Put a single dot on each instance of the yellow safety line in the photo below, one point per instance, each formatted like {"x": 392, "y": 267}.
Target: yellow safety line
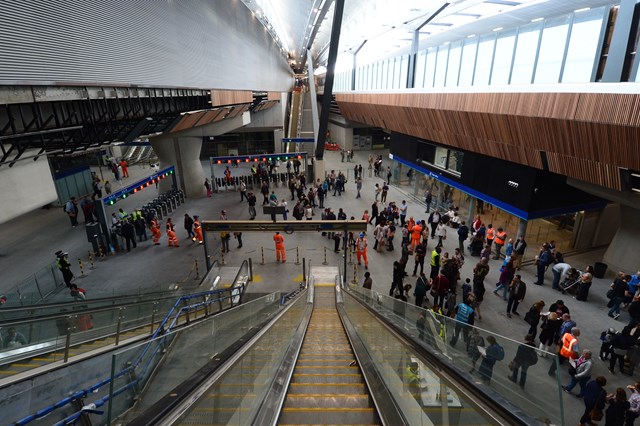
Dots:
{"x": 324, "y": 284}
{"x": 326, "y": 384}
{"x": 326, "y": 366}
{"x": 327, "y": 395}
{"x": 327, "y": 375}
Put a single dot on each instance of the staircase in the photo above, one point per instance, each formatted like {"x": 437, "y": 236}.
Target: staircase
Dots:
{"x": 327, "y": 387}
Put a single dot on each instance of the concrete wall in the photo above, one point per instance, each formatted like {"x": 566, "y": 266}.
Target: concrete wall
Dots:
{"x": 159, "y": 43}
{"x": 343, "y": 136}
{"x": 26, "y": 186}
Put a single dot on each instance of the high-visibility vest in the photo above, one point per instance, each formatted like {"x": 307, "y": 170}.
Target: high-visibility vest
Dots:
{"x": 490, "y": 233}
{"x": 434, "y": 254}
{"x": 501, "y": 238}
{"x": 568, "y": 341}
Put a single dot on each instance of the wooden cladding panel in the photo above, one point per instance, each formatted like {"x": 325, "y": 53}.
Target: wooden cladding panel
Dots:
{"x": 274, "y": 96}
{"x": 231, "y": 97}
{"x": 187, "y": 121}
{"x": 597, "y": 132}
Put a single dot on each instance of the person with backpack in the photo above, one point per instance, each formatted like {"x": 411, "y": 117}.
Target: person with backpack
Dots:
{"x": 525, "y": 357}
{"x": 493, "y": 354}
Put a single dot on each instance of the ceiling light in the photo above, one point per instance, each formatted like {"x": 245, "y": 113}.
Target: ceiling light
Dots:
{"x": 471, "y": 36}
{"x": 497, "y": 29}
{"x": 537, "y": 19}
{"x": 584, "y": 9}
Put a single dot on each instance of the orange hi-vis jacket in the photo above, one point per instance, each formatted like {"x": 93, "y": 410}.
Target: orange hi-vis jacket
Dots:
{"x": 416, "y": 232}
{"x": 490, "y": 233}
{"x": 568, "y": 342}
{"x": 501, "y": 238}
{"x": 279, "y": 239}
{"x": 361, "y": 245}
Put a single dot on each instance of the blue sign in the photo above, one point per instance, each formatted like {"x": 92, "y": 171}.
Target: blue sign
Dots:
{"x": 138, "y": 186}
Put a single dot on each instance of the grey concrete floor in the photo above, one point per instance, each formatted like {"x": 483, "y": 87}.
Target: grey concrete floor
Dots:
{"x": 28, "y": 243}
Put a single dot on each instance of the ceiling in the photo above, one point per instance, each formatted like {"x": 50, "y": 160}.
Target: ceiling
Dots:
{"x": 380, "y": 28}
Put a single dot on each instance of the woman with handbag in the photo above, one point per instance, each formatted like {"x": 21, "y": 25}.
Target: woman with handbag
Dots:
{"x": 594, "y": 401}
{"x": 532, "y": 317}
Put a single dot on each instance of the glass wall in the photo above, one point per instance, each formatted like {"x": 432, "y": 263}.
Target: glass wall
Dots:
{"x": 553, "y": 50}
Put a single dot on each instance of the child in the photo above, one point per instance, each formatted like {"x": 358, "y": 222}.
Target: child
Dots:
{"x": 466, "y": 288}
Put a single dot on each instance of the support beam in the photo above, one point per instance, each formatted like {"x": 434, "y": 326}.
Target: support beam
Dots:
{"x": 614, "y": 66}
{"x": 328, "y": 82}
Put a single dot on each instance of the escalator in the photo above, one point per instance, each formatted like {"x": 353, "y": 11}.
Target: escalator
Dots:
{"x": 326, "y": 380}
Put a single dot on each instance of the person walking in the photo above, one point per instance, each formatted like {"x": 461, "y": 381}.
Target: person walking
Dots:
{"x": 155, "y": 231}
{"x": 441, "y": 233}
{"x": 281, "y": 254}
{"x": 428, "y": 197}
{"x": 549, "y": 334}
{"x": 358, "y": 186}
{"x": 434, "y": 220}
{"x": 251, "y": 200}
{"x": 129, "y": 233}
{"x": 207, "y": 185}
{"x": 188, "y": 226}
{"x": 620, "y": 345}
{"x": 479, "y": 273}
{"x": 506, "y": 276}
{"x": 463, "y": 234}
{"x": 464, "y": 319}
{"x": 525, "y": 357}
{"x": 493, "y": 354}
{"x": 580, "y": 373}
{"x": 420, "y": 291}
{"x": 517, "y": 291}
{"x": 71, "y": 209}
{"x": 594, "y": 397}
{"x": 171, "y": 233}
{"x": 361, "y": 250}
{"x": 63, "y": 264}
{"x": 368, "y": 282}
{"x": 420, "y": 253}
{"x": 532, "y": 317}
{"x": 243, "y": 190}
{"x": 569, "y": 349}
{"x": 619, "y": 288}
{"x": 197, "y": 229}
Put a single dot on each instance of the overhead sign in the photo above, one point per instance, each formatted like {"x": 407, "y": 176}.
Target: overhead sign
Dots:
{"x": 284, "y": 226}
{"x": 138, "y": 186}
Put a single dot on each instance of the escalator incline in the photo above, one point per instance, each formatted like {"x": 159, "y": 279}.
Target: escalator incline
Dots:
{"x": 327, "y": 386}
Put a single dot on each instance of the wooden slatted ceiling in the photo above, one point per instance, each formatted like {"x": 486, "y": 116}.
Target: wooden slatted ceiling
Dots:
{"x": 274, "y": 96}
{"x": 231, "y": 97}
{"x": 599, "y": 131}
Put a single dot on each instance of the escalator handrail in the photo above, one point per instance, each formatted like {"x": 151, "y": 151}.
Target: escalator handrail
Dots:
{"x": 480, "y": 397}
{"x": 89, "y": 390}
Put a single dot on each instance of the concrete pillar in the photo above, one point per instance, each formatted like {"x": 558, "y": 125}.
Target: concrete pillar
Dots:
{"x": 522, "y": 228}
{"x": 183, "y": 153}
{"x": 439, "y": 197}
{"x": 318, "y": 169}
{"x": 622, "y": 254}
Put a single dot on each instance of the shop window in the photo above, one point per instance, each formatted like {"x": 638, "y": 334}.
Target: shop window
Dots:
{"x": 442, "y": 155}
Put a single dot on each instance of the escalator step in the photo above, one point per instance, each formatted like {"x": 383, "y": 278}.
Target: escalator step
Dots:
{"x": 336, "y": 401}
{"x": 334, "y": 416}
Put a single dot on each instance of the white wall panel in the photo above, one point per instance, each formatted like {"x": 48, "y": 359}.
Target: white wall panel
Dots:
{"x": 161, "y": 43}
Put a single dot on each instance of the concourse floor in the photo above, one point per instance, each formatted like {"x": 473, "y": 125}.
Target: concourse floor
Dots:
{"x": 28, "y": 243}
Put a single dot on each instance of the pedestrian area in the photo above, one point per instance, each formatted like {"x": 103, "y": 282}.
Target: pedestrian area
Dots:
{"x": 28, "y": 244}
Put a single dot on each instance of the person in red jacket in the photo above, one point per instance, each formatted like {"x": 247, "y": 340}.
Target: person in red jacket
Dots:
{"x": 280, "y": 252}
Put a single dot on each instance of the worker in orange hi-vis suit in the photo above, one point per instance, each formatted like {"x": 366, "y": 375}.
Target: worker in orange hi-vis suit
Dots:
{"x": 171, "y": 233}
{"x": 197, "y": 229}
{"x": 361, "y": 250}
{"x": 155, "y": 230}
{"x": 416, "y": 233}
{"x": 280, "y": 253}
{"x": 411, "y": 223}
{"x": 124, "y": 165}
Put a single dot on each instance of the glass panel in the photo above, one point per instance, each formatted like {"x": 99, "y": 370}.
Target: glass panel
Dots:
{"x": 468, "y": 62}
{"x": 468, "y": 348}
{"x": 455, "y": 161}
{"x": 454, "y": 64}
{"x": 503, "y": 57}
{"x": 385, "y": 68}
{"x": 390, "y": 74}
{"x": 485, "y": 57}
{"x": 404, "y": 71}
{"x": 420, "y": 65}
{"x": 441, "y": 157}
{"x": 525, "y": 54}
{"x": 136, "y": 367}
{"x": 430, "y": 67}
{"x": 441, "y": 65}
{"x": 583, "y": 46}
{"x": 238, "y": 394}
{"x": 396, "y": 73}
{"x": 554, "y": 39}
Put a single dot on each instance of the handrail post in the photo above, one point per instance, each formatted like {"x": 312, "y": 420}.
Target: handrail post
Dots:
{"x": 67, "y": 340}
{"x": 119, "y": 325}
{"x": 304, "y": 270}
{"x": 153, "y": 316}
{"x": 250, "y": 269}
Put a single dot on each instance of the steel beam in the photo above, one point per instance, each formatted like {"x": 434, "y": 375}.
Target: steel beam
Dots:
{"x": 286, "y": 227}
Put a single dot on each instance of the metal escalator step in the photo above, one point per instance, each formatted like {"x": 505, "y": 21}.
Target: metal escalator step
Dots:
{"x": 329, "y": 402}
{"x": 326, "y": 369}
{"x": 311, "y": 378}
{"x": 328, "y": 387}
{"x": 334, "y": 416}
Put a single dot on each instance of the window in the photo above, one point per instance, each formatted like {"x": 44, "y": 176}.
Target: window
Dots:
{"x": 420, "y": 65}
{"x": 404, "y": 70}
{"x": 442, "y": 154}
{"x": 454, "y": 64}
{"x": 430, "y": 68}
{"x": 583, "y": 46}
{"x": 390, "y": 74}
{"x": 426, "y": 152}
{"x": 526, "y": 48}
{"x": 455, "y": 161}
{"x": 484, "y": 60}
{"x": 468, "y": 62}
{"x": 396, "y": 73}
{"x": 503, "y": 58}
{"x": 441, "y": 65}
{"x": 554, "y": 40}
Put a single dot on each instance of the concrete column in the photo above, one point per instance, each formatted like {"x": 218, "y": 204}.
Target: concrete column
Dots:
{"x": 183, "y": 153}
{"x": 622, "y": 254}
{"x": 522, "y": 228}
{"x": 318, "y": 169}
{"x": 472, "y": 210}
{"x": 439, "y": 197}
{"x": 417, "y": 177}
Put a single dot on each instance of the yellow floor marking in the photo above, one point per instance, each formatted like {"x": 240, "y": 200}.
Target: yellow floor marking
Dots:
{"x": 257, "y": 279}
{"x": 323, "y": 284}
{"x": 298, "y": 278}
{"x": 315, "y": 409}
{"x": 325, "y": 395}
{"x": 325, "y": 375}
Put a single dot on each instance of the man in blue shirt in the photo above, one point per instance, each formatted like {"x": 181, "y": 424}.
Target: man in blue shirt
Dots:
{"x": 464, "y": 318}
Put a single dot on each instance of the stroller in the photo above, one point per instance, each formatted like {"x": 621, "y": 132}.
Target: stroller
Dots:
{"x": 571, "y": 281}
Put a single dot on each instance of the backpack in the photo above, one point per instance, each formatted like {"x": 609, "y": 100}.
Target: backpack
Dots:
{"x": 499, "y": 354}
